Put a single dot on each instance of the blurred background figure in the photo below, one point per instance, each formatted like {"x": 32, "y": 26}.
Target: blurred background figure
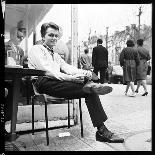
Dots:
{"x": 14, "y": 53}
{"x": 129, "y": 60}
{"x": 142, "y": 68}
{"x": 86, "y": 60}
{"x": 62, "y": 49}
{"x": 109, "y": 71}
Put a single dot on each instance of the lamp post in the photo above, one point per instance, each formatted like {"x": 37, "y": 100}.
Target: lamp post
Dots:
{"x": 107, "y": 38}
{"x": 140, "y": 12}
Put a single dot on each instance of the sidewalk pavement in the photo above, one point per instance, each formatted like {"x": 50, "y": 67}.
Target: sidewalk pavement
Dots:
{"x": 129, "y": 117}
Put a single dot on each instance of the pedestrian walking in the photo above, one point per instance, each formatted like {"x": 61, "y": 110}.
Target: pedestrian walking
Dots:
{"x": 100, "y": 60}
{"x": 86, "y": 60}
{"x": 129, "y": 59}
{"x": 67, "y": 81}
{"x": 142, "y": 68}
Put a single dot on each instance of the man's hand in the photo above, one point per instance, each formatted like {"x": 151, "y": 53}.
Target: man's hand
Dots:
{"x": 78, "y": 78}
{"x": 88, "y": 75}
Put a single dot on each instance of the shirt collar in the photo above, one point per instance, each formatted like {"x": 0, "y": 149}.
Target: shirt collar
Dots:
{"x": 48, "y": 48}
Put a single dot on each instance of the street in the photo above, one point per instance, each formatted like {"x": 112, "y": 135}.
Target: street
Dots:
{"x": 129, "y": 117}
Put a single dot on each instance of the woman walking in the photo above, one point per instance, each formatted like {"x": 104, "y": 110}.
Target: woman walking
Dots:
{"x": 129, "y": 59}
{"x": 143, "y": 66}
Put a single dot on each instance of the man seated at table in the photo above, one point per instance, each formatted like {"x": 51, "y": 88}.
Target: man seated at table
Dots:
{"x": 64, "y": 80}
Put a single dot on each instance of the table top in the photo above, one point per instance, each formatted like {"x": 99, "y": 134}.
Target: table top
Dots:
{"x": 18, "y": 70}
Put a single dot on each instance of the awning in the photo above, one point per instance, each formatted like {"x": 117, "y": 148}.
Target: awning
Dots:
{"x": 30, "y": 14}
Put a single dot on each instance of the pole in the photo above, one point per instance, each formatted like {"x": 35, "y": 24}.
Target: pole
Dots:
{"x": 27, "y": 29}
{"x": 74, "y": 33}
{"x": 140, "y": 12}
{"x": 107, "y": 38}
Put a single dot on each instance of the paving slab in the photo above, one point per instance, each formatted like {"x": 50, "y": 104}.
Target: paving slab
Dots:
{"x": 130, "y": 118}
{"x": 139, "y": 141}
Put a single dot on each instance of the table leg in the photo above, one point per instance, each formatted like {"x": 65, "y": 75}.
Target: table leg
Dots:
{"x": 16, "y": 91}
{"x": 28, "y": 88}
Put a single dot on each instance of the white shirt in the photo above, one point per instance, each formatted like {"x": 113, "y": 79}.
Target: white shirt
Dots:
{"x": 56, "y": 68}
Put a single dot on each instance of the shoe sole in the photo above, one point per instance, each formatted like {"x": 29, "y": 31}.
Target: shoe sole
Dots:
{"x": 109, "y": 141}
{"x": 101, "y": 90}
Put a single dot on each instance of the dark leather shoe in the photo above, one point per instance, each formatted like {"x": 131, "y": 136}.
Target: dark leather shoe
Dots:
{"x": 136, "y": 91}
{"x": 145, "y": 94}
{"x": 108, "y": 137}
{"x": 100, "y": 89}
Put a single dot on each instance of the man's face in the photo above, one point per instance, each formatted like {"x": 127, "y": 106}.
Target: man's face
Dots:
{"x": 20, "y": 35}
{"x": 17, "y": 36}
{"x": 51, "y": 37}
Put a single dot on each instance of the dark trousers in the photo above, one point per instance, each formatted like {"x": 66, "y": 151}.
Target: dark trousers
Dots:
{"x": 102, "y": 71}
{"x": 72, "y": 90}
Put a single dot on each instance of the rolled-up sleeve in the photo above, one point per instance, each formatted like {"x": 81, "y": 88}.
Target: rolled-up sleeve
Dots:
{"x": 69, "y": 69}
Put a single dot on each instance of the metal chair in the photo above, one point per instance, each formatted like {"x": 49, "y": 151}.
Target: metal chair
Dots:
{"x": 45, "y": 99}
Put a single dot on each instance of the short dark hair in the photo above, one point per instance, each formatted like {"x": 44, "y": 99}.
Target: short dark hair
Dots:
{"x": 130, "y": 43}
{"x": 45, "y": 26}
{"x": 140, "y": 42}
{"x": 99, "y": 41}
{"x": 86, "y": 51}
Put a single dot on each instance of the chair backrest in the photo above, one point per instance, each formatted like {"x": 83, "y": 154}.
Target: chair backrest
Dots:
{"x": 47, "y": 97}
{"x": 33, "y": 80}
{"x": 35, "y": 89}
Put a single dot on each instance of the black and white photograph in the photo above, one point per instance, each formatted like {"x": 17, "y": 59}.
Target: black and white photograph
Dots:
{"x": 78, "y": 77}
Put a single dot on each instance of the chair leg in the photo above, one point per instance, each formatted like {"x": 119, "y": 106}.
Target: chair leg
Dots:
{"x": 46, "y": 119}
{"x": 68, "y": 114}
{"x": 81, "y": 117}
{"x": 32, "y": 115}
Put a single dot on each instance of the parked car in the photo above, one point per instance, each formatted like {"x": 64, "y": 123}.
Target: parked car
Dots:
{"x": 117, "y": 74}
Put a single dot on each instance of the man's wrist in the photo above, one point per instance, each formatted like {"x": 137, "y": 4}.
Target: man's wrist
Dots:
{"x": 89, "y": 74}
